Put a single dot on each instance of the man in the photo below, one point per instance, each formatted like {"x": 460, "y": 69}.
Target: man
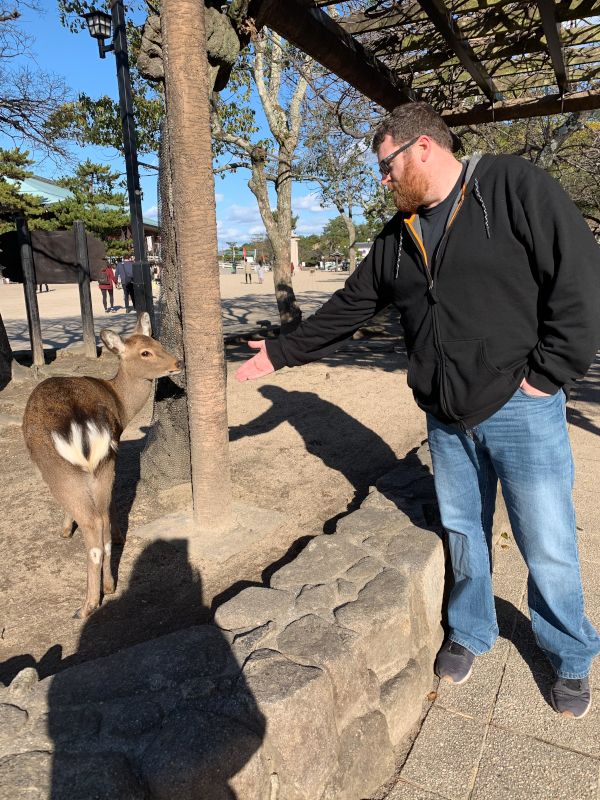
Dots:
{"x": 496, "y": 278}
{"x": 125, "y": 275}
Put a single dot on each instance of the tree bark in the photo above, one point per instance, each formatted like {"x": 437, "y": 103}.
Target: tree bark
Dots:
{"x": 165, "y": 459}
{"x": 188, "y": 120}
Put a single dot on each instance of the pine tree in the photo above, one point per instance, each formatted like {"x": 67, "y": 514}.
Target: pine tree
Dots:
{"x": 14, "y": 203}
{"x": 94, "y": 200}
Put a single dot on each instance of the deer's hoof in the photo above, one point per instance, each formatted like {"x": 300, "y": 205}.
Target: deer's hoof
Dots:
{"x": 109, "y": 588}
{"x": 84, "y": 612}
{"x": 67, "y": 533}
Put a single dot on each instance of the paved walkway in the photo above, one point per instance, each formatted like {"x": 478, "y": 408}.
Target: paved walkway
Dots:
{"x": 497, "y": 737}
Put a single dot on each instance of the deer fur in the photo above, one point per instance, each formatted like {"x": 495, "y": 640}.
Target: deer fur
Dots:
{"x": 72, "y": 428}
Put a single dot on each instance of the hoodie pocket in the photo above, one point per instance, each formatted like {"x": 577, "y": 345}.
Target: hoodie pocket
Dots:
{"x": 423, "y": 375}
{"x": 472, "y": 383}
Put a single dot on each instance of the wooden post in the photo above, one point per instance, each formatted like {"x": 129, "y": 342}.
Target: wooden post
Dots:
{"x": 30, "y": 287}
{"x": 85, "y": 296}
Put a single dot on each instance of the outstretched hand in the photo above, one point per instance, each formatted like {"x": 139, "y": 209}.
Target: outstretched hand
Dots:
{"x": 257, "y": 366}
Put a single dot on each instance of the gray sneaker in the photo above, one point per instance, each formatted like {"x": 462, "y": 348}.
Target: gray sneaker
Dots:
{"x": 454, "y": 663}
{"x": 571, "y": 697}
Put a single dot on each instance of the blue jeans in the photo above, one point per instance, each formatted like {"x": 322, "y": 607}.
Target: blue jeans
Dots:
{"x": 526, "y": 445}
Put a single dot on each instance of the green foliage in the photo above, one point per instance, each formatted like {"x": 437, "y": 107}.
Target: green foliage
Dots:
{"x": 13, "y": 203}
{"x": 95, "y": 201}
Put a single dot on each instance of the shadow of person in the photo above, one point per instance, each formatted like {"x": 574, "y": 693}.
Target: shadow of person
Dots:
{"x": 338, "y": 439}
{"x": 516, "y": 627}
{"x": 170, "y": 717}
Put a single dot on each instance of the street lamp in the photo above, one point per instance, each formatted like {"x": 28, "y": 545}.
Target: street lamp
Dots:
{"x": 101, "y": 25}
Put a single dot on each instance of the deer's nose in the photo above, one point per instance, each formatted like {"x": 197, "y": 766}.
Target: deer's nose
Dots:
{"x": 179, "y": 364}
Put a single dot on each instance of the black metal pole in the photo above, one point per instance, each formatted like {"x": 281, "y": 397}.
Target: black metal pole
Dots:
{"x": 141, "y": 269}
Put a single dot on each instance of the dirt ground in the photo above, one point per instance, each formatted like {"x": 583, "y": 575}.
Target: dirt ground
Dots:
{"x": 305, "y": 442}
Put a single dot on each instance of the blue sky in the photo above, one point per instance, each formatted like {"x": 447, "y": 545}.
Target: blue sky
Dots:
{"x": 75, "y": 58}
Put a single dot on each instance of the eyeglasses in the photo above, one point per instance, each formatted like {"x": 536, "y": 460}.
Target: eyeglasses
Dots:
{"x": 385, "y": 163}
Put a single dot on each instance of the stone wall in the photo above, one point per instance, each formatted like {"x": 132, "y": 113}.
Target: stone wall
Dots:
{"x": 302, "y": 690}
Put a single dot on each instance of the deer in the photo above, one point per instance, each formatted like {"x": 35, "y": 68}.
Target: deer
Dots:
{"x": 72, "y": 427}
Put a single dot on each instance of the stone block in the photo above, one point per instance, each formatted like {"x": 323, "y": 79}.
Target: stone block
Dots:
{"x": 23, "y": 683}
{"x": 153, "y": 666}
{"x": 133, "y": 718}
{"x": 297, "y": 701}
{"x": 253, "y": 607}
{"x": 314, "y": 599}
{"x": 39, "y": 775}
{"x": 402, "y": 696}
{"x": 311, "y": 640}
{"x": 243, "y": 644}
{"x": 197, "y": 754}
{"x": 364, "y": 571}
{"x": 381, "y": 617}
{"x": 419, "y": 554}
{"x": 323, "y": 560}
{"x": 365, "y": 761}
{"x": 12, "y": 720}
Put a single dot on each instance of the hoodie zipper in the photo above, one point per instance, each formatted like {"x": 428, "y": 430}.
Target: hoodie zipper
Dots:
{"x": 429, "y": 273}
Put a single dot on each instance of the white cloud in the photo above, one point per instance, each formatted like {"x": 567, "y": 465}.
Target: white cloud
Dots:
{"x": 310, "y": 202}
{"x": 219, "y": 197}
{"x": 151, "y": 213}
{"x": 237, "y": 213}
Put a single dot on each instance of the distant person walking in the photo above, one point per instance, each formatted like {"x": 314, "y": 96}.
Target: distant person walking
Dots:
{"x": 248, "y": 271}
{"x": 43, "y": 284}
{"x": 106, "y": 283}
{"x": 125, "y": 276}
{"x": 260, "y": 270}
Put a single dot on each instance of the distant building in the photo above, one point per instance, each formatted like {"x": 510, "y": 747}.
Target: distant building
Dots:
{"x": 50, "y": 192}
{"x": 362, "y": 249}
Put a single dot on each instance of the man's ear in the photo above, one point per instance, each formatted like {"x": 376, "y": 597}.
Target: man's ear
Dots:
{"x": 143, "y": 325}
{"x": 113, "y": 341}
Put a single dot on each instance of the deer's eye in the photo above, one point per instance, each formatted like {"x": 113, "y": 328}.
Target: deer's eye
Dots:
{"x": 146, "y": 353}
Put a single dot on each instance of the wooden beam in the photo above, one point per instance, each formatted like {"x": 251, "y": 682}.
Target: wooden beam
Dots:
{"x": 85, "y": 296}
{"x": 30, "y": 289}
{"x": 551, "y": 28}
{"x": 510, "y": 46}
{"x": 444, "y": 22}
{"x": 522, "y": 109}
{"x": 316, "y": 34}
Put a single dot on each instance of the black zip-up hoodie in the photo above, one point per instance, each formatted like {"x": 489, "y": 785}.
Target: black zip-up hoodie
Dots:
{"x": 514, "y": 292}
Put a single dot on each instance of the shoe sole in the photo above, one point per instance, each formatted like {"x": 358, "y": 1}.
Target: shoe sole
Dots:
{"x": 569, "y": 714}
{"x": 448, "y": 679}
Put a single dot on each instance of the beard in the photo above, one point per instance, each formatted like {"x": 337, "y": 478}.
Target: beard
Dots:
{"x": 411, "y": 192}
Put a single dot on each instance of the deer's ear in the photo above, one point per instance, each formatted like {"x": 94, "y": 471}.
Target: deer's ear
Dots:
{"x": 143, "y": 325}
{"x": 113, "y": 341}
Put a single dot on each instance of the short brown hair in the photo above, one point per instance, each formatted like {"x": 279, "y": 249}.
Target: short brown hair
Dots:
{"x": 410, "y": 120}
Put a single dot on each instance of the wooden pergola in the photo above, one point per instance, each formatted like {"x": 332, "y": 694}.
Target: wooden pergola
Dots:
{"x": 473, "y": 60}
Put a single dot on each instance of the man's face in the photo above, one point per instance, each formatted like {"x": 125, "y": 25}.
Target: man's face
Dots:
{"x": 406, "y": 180}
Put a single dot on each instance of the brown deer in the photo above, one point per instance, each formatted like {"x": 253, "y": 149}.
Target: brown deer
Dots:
{"x": 72, "y": 428}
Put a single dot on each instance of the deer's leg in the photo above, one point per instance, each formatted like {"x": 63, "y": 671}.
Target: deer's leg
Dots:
{"x": 93, "y": 538}
{"x": 108, "y": 581}
{"x": 103, "y": 481}
{"x": 67, "y": 527}
{"x": 115, "y": 531}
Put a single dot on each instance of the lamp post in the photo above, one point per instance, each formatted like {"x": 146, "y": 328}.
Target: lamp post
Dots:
{"x": 101, "y": 25}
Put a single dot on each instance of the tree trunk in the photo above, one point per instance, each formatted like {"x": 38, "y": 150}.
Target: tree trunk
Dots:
{"x": 188, "y": 120}
{"x": 166, "y": 457}
{"x": 351, "y": 228}
{"x": 279, "y": 231}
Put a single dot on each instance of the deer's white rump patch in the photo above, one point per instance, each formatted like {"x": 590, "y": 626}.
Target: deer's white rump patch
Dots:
{"x": 72, "y": 448}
